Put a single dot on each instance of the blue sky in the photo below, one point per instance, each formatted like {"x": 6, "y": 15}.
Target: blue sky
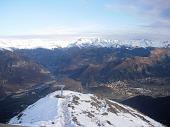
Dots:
{"x": 111, "y": 19}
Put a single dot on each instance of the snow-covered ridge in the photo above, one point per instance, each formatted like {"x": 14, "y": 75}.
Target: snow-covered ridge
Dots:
{"x": 97, "y": 42}
{"x": 80, "y": 110}
{"x": 11, "y": 44}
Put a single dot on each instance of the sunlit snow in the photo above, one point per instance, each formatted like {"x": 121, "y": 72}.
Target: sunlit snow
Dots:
{"x": 77, "y": 109}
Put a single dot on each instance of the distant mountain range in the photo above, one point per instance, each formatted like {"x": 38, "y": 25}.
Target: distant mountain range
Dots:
{"x": 81, "y": 43}
{"x": 102, "y": 65}
{"x": 97, "y": 42}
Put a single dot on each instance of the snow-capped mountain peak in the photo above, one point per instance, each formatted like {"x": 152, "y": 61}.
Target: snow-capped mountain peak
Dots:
{"x": 80, "y": 110}
{"x": 98, "y": 42}
{"x": 93, "y": 42}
